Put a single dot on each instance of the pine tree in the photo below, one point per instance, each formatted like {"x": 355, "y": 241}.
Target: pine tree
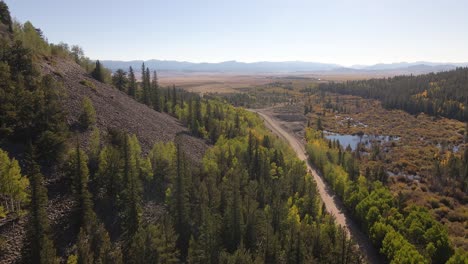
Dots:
{"x": 143, "y": 74}
{"x": 189, "y": 119}
{"x": 232, "y": 216}
{"x": 84, "y": 250}
{"x": 250, "y": 151}
{"x": 94, "y": 246}
{"x": 120, "y": 80}
{"x": 41, "y": 247}
{"x": 180, "y": 207}
{"x": 156, "y": 92}
{"x": 162, "y": 157}
{"x": 48, "y": 127}
{"x": 237, "y": 122}
{"x": 147, "y": 92}
{"x": 7, "y": 100}
{"x": 93, "y": 240}
{"x": 88, "y": 115}
{"x": 98, "y": 72}
{"x": 165, "y": 104}
{"x": 206, "y": 248}
{"x": 78, "y": 164}
{"x": 131, "y": 83}
{"x": 241, "y": 255}
{"x": 198, "y": 111}
{"x": 109, "y": 179}
{"x": 319, "y": 124}
{"x": 131, "y": 197}
{"x": 144, "y": 85}
{"x": 196, "y": 117}
{"x": 5, "y": 17}
{"x": 93, "y": 154}
{"x": 174, "y": 99}
{"x": 154, "y": 244}
{"x": 195, "y": 254}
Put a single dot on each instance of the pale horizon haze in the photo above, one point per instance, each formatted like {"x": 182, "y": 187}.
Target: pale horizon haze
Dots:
{"x": 338, "y": 31}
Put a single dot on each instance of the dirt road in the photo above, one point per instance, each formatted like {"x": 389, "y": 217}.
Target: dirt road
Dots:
{"x": 333, "y": 205}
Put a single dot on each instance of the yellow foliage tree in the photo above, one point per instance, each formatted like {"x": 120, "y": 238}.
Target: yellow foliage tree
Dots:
{"x": 13, "y": 185}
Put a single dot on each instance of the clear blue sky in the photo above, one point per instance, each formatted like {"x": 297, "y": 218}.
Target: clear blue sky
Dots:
{"x": 337, "y": 31}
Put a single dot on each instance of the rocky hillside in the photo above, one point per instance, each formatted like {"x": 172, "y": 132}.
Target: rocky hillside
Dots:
{"x": 114, "y": 110}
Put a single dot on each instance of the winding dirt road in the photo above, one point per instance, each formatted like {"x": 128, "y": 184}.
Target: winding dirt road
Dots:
{"x": 333, "y": 204}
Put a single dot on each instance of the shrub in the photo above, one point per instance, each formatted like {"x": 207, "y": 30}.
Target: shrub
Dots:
{"x": 434, "y": 203}
{"x": 3, "y": 244}
{"x": 446, "y": 202}
{"x": 441, "y": 212}
{"x": 88, "y": 84}
{"x": 88, "y": 114}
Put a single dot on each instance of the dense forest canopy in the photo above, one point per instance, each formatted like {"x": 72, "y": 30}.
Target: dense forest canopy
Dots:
{"x": 438, "y": 94}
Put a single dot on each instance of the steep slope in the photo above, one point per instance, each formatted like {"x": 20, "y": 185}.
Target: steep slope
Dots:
{"x": 116, "y": 110}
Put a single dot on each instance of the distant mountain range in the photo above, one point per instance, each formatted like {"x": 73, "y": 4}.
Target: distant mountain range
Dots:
{"x": 281, "y": 67}
{"x": 227, "y": 66}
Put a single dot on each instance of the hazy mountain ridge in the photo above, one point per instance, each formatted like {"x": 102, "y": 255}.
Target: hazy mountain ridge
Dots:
{"x": 280, "y": 67}
{"x": 402, "y": 69}
{"x": 226, "y": 66}
{"x": 402, "y": 65}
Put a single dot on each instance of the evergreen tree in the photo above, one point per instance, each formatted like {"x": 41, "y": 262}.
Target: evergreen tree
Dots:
{"x": 120, "y": 80}
{"x": 5, "y": 17}
{"x": 98, "y": 72}
{"x": 206, "y": 248}
{"x": 196, "y": 120}
{"x": 77, "y": 168}
{"x": 93, "y": 154}
{"x": 165, "y": 103}
{"x": 232, "y": 216}
{"x": 241, "y": 255}
{"x": 7, "y": 100}
{"x": 144, "y": 85}
{"x": 174, "y": 99}
{"x": 131, "y": 83}
{"x": 94, "y": 246}
{"x": 131, "y": 197}
{"x": 41, "y": 247}
{"x": 147, "y": 92}
{"x": 93, "y": 243}
{"x": 319, "y": 124}
{"x": 162, "y": 157}
{"x": 156, "y": 92}
{"x": 88, "y": 115}
{"x": 109, "y": 179}
{"x": 155, "y": 244}
{"x": 179, "y": 202}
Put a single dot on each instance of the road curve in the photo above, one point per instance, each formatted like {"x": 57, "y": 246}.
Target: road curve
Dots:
{"x": 332, "y": 203}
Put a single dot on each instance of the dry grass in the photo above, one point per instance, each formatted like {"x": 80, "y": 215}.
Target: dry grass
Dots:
{"x": 413, "y": 154}
{"x": 419, "y": 134}
{"x": 215, "y": 83}
{"x": 230, "y": 83}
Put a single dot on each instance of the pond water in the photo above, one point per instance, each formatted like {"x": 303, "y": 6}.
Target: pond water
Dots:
{"x": 354, "y": 140}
